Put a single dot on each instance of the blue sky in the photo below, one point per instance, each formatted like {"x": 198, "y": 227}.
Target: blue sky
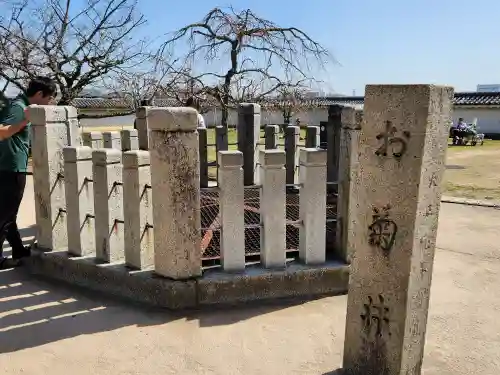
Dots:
{"x": 447, "y": 42}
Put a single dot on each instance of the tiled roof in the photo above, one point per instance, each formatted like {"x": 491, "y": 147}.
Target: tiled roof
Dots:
{"x": 461, "y": 98}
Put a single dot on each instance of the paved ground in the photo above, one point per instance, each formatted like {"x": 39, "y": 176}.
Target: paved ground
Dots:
{"x": 48, "y": 329}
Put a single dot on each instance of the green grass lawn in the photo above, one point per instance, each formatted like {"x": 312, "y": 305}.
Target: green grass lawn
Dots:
{"x": 232, "y": 140}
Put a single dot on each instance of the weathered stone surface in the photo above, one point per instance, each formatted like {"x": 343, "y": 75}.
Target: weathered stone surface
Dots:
{"x": 312, "y": 202}
{"x": 93, "y": 140}
{"x": 108, "y": 204}
{"x": 215, "y": 288}
{"x": 172, "y": 119}
{"x": 74, "y": 133}
{"x": 257, "y": 284}
{"x": 112, "y": 140}
{"x": 232, "y": 210}
{"x": 176, "y": 192}
{"x": 292, "y": 137}
{"x": 129, "y": 140}
{"x": 248, "y": 139}
{"x": 41, "y": 115}
{"x": 49, "y": 137}
{"x": 401, "y": 159}
{"x": 273, "y": 208}
{"x": 114, "y": 279}
{"x": 348, "y": 181}
{"x": 142, "y": 127}
{"x": 138, "y": 210}
{"x": 79, "y": 189}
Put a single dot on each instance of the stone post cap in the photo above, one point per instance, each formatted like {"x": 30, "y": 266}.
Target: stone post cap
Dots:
{"x": 292, "y": 130}
{"x": 111, "y": 135}
{"x": 376, "y": 90}
{"x": 135, "y": 159}
{"x": 142, "y": 112}
{"x": 272, "y": 158}
{"x": 230, "y": 159}
{"x": 129, "y": 132}
{"x": 359, "y": 118}
{"x": 92, "y": 136}
{"x": 172, "y": 119}
{"x": 41, "y": 115}
{"x": 312, "y": 157}
{"x": 275, "y": 127}
{"x": 312, "y": 127}
{"x": 348, "y": 118}
{"x": 74, "y": 154}
{"x": 105, "y": 157}
{"x": 335, "y": 109}
{"x": 248, "y": 108}
{"x": 71, "y": 112}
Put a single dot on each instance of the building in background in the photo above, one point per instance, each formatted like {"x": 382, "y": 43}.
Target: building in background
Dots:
{"x": 488, "y": 88}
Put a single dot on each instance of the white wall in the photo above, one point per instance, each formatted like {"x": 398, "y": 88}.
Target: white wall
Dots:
{"x": 488, "y": 119}
{"x": 310, "y": 117}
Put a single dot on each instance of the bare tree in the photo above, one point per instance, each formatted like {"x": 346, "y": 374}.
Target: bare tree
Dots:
{"x": 250, "y": 50}
{"x": 152, "y": 79}
{"x": 290, "y": 99}
{"x": 75, "y": 43}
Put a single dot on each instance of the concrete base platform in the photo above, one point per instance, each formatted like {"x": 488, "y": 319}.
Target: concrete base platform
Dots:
{"x": 214, "y": 288}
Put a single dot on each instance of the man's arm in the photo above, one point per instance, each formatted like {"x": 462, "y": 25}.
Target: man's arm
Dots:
{"x": 14, "y": 123}
{"x": 7, "y": 131}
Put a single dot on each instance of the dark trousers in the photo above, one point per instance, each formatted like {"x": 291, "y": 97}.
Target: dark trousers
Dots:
{"x": 12, "y": 186}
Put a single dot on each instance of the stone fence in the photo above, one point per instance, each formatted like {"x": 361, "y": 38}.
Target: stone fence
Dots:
{"x": 129, "y": 222}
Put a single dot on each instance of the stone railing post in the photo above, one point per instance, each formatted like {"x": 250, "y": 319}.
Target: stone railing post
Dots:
{"x": 175, "y": 177}
{"x": 203, "y": 147}
{"x": 221, "y": 142}
{"x": 79, "y": 200}
{"x": 108, "y": 204}
{"x": 138, "y": 210}
{"x": 312, "y": 237}
{"x": 273, "y": 208}
{"x": 271, "y": 133}
{"x": 112, "y": 140}
{"x": 292, "y": 138}
{"x": 74, "y": 133}
{"x": 402, "y": 151}
{"x": 248, "y": 140}
{"x": 49, "y": 137}
{"x": 129, "y": 140}
{"x": 348, "y": 181}
{"x": 232, "y": 210}
{"x": 312, "y": 137}
{"x": 333, "y": 130}
{"x": 93, "y": 140}
{"x": 142, "y": 127}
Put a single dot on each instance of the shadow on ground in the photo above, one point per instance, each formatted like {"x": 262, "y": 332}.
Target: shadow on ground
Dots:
{"x": 35, "y": 312}
{"x": 27, "y": 234}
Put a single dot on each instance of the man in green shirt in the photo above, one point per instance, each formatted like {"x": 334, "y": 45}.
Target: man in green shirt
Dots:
{"x": 14, "y": 150}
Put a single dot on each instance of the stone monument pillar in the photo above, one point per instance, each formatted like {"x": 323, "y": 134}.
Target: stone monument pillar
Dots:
{"x": 402, "y": 153}
{"x": 175, "y": 180}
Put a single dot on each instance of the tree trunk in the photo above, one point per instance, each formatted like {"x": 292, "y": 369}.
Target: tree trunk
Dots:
{"x": 225, "y": 110}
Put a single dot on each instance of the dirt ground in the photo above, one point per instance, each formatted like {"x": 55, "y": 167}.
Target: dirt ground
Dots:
{"x": 49, "y": 328}
{"x": 473, "y": 172}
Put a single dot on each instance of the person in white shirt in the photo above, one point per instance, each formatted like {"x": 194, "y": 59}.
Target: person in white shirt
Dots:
{"x": 193, "y": 103}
